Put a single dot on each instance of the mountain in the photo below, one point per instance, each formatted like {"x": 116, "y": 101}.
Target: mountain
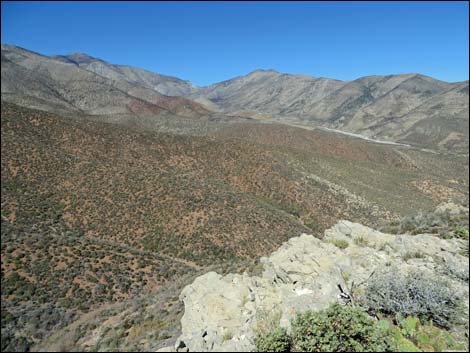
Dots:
{"x": 53, "y": 84}
{"x": 408, "y": 108}
{"x": 167, "y": 85}
{"x": 268, "y": 91}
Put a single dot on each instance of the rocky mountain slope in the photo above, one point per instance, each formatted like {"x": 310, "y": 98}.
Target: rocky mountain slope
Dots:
{"x": 408, "y": 108}
{"x": 115, "y": 196}
{"x": 167, "y": 85}
{"x": 48, "y": 83}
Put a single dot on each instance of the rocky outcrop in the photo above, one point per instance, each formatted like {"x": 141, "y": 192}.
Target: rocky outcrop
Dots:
{"x": 222, "y": 312}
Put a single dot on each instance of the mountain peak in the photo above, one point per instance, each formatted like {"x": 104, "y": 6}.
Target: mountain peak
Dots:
{"x": 81, "y": 58}
{"x": 18, "y": 50}
{"x": 264, "y": 71}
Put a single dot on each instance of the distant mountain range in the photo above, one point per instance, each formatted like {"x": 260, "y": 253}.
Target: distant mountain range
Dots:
{"x": 407, "y": 108}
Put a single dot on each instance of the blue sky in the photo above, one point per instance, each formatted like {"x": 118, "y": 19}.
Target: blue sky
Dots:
{"x": 207, "y": 42}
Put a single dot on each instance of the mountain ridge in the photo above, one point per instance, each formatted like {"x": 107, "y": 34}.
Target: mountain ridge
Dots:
{"x": 89, "y": 91}
{"x": 67, "y": 57}
{"x": 407, "y": 108}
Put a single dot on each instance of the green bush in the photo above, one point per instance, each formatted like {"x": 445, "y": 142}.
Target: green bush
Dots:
{"x": 340, "y": 243}
{"x": 410, "y": 335}
{"x": 338, "y": 329}
{"x": 312, "y": 224}
{"x": 276, "y": 340}
{"x": 461, "y": 232}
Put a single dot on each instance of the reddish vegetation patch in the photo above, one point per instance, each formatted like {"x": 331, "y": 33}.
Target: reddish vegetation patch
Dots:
{"x": 143, "y": 108}
{"x": 317, "y": 141}
{"x": 181, "y": 106}
{"x": 160, "y": 104}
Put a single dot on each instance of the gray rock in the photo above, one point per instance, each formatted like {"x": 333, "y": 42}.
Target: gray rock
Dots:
{"x": 222, "y": 312}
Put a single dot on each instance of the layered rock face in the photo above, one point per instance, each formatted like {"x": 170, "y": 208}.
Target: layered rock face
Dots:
{"x": 222, "y": 312}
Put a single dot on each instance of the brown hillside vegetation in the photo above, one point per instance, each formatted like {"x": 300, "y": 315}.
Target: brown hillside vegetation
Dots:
{"x": 95, "y": 213}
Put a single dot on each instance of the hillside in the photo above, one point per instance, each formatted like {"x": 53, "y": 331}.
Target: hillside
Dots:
{"x": 227, "y": 312}
{"x": 167, "y": 85}
{"x": 406, "y": 108}
{"x": 95, "y": 214}
{"x": 42, "y": 82}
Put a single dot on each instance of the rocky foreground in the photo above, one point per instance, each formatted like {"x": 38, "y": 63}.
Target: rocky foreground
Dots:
{"x": 222, "y": 312}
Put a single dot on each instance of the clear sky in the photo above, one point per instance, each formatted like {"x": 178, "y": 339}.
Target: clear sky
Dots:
{"x": 207, "y": 42}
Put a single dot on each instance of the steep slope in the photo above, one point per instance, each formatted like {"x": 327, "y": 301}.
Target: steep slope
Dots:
{"x": 390, "y": 107}
{"x": 44, "y": 79}
{"x": 95, "y": 213}
{"x": 412, "y": 108}
{"x": 441, "y": 121}
{"x": 223, "y": 312}
{"x": 390, "y": 114}
{"x": 267, "y": 91}
{"x": 167, "y": 85}
{"x": 81, "y": 199}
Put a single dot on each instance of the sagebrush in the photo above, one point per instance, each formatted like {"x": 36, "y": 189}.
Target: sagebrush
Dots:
{"x": 413, "y": 294}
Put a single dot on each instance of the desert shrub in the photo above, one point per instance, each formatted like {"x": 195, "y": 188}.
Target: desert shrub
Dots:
{"x": 424, "y": 222}
{"x": 453, "y": 268}
{"x": 339, "y": 243}
{"x": 276, "y": 340}
{"x": 413, "y": 255}
{"x": 442, "y": 224}
{"x": 338, "y": 329}
{"x": 269, "y": 336}
{"x": 412, "y": 294}
{"x": 361, "y": 241}
{"x": 14, "y": 343}
{"x": 255, "y": 268}
{"x": 313, "y": 224}
{"x": 267, "y": 321}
